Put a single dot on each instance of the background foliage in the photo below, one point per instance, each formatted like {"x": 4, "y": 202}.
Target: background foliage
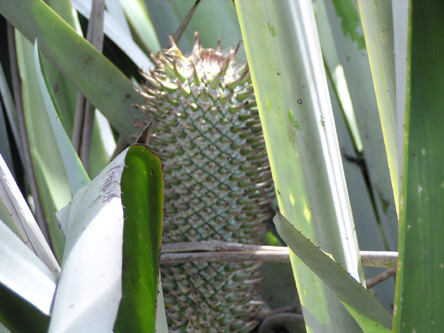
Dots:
{"x": 350, "y": 98}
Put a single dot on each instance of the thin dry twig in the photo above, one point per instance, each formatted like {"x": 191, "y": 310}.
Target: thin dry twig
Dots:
{"x": 380, "y": 277}
{"x": 217, "y": 251}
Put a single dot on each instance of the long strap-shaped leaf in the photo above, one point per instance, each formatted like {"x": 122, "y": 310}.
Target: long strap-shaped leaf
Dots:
{"x": 291, "y": 90}
{"x": 345, "y": 24}
{"x": 376, "y": 18}
{"x": 142, "y": 187}
{"x": 420, "y": 282}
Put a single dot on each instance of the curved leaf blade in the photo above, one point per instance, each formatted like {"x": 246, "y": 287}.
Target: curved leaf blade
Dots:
{"x": 343, "y": 17}
{"x": 74, "y": 169}
{"x": 50, "y": 175}
{"x": 142, "y": 187}
{"x": 92, "y": 259}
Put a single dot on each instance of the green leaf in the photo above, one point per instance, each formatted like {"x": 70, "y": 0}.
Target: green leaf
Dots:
{"x": 367, "y": 311}
{"x": 74, "y": 169}
{"x": 376, "y": 18}
{"x": 365, "y": 173}
{"x": 50, "y": 174}
{"x": 140, "y": 21}
{"x": 420, "y": 279}
{"x": 64, "y": 91}
{"x": 96, "y": 77}
{"x": 142, "y": 187}
{"x": 354, "y": 60}
{"x": 66, "y": 95}
{"x": 400, "y": 11}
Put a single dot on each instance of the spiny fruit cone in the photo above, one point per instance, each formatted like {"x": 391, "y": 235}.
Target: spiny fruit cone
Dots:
{"x": 218, "y": 183}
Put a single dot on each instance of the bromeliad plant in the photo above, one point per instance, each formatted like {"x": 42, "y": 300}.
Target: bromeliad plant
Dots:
{"x": 308, "y": 101}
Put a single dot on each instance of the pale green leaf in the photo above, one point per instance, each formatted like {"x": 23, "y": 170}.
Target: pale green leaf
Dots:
{"x": 290, "y": 85}
{"x": 361, "y": 179}
{"x": 376, "y": 18}
{"x": 89, "y": 289}
{"x": 74, "y": 169}
{"x": 51, "y": 178}
{"x": 139, "y": 19}
{"x": 348, "y": 39}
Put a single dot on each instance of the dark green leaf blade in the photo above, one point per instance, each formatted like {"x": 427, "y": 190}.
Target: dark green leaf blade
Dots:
{"x": 419, "y": 301}
{"x": 142, "y": 197}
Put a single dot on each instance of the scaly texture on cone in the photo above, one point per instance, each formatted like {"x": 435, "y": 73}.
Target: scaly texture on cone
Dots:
{"x": 218, "y": 184}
